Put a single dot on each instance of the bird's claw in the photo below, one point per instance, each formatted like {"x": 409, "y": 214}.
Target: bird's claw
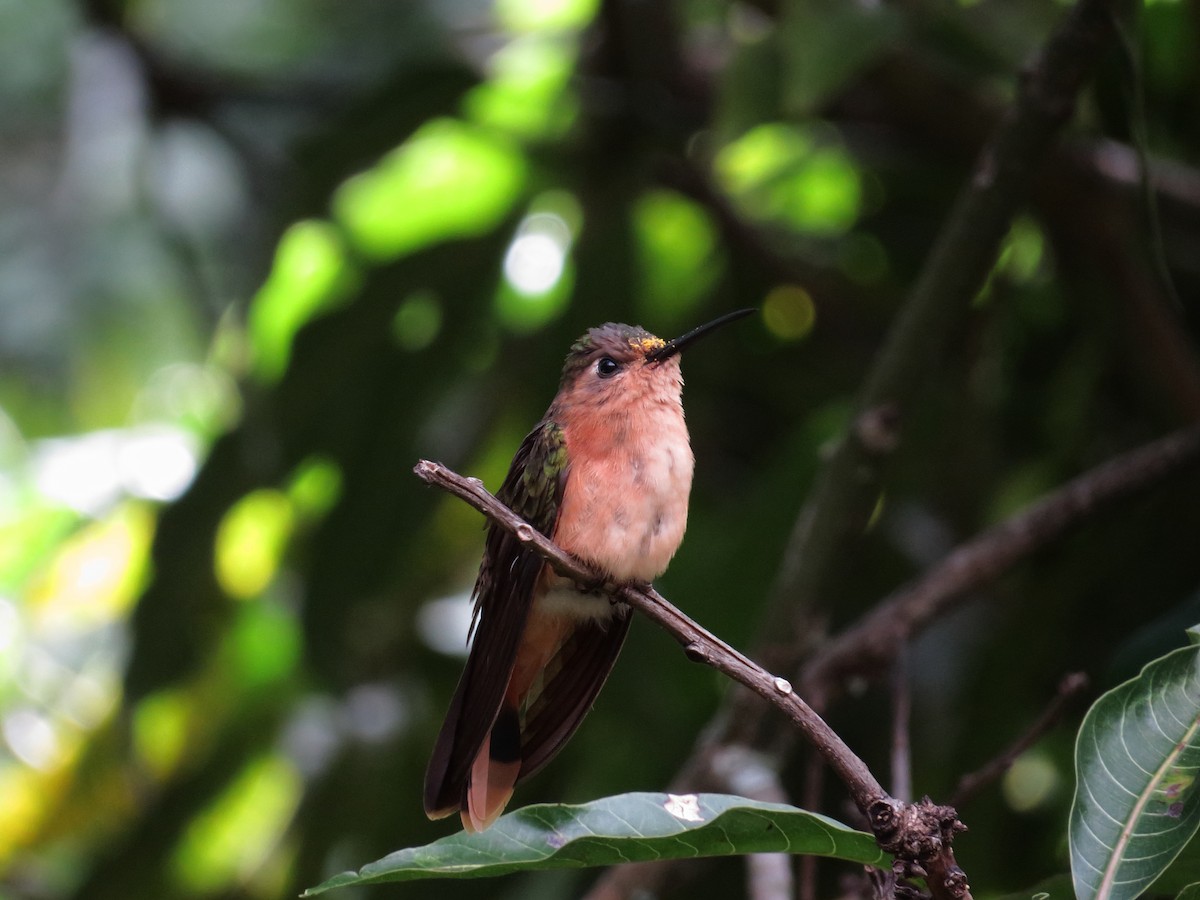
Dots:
{"x": 591, "y": 585}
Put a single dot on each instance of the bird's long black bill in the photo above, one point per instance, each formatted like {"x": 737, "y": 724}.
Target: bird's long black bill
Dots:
{"x": 670, "y": 348}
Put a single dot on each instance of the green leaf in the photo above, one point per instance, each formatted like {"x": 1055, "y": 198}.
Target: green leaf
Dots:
{"x": 624, "y": 828}
{"x": 1136, "y": 760}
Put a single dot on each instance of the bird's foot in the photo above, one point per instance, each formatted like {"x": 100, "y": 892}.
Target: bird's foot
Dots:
{"x": 591, "y": 586}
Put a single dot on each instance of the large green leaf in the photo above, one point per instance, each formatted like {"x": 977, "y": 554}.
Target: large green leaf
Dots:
{"x": 1136, "y": 762}
{"x": 624, "y": 828}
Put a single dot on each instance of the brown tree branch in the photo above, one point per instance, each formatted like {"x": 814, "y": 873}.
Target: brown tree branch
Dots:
{"x": 955, "y": 269}
{"x": 918, "y": 834}
{"x": 973, "y": 782}
{"x": 870, "y": 646}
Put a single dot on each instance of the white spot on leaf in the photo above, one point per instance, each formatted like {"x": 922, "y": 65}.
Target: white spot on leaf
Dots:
{"x": 684, "y": 806}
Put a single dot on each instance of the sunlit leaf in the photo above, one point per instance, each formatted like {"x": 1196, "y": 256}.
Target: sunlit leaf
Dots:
{"x": 620, "y": 829}
{"x": 264, "y": 645}
{"x": 250, "y": 542}
{"x": 29, "y": 538}
{"x": 230, "y": 841}
{"x": 827, "y": 193}
{"x": 160, "y": 730}
{"x": 799, "y": 177}
{"x": 315, "y": 486}
{"x": 96, "y": 574}
{"x": 448, "y": 180}
{"x": 761, "y": 154}
{"x": 1136, "y": 758}
{"x": 528, "y": 92}
{"x": 24, "y": 808}
{"x": 680, "y": 260}
{"x": 311, "y": 275}
{"x": 538, "y": 15}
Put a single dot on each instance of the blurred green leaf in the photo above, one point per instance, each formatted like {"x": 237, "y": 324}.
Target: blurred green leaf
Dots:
{"x": 250, "y": 542}
{"x": 1136, "y": 759}
{"x": 311, "y": 275}
{"x": 625, "y": 828}
{"x": 264, "y": 645}
{"x": 799, "y": 177}
{"x": 527, "y": 94}
{"x": 679, "y": 253}
{"x": 547, "y": 15}
{"x": 450, "y": 179}
{"x": 228, "y": 843}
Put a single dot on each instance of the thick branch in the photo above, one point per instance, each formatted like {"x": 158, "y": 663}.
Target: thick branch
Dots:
{"x": 872, "y": 644}
{"x": 918, "y": 833}
{"x": 956, "y": 267}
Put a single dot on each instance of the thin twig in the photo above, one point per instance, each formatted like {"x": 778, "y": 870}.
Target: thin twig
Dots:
{"x": 972, "y": 783}
{"x": 919, "y": 834}
{"x": 814, "y": 782}
{"x": 901, "y": 716}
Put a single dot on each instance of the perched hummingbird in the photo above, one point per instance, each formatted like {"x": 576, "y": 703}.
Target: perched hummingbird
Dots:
{"x": 606, "y": 475}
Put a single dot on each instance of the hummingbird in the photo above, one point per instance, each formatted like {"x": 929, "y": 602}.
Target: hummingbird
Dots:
{"x": 606, "y": 475}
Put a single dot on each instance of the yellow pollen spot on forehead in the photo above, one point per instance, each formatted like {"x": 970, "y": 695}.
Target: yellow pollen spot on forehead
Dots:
{"x": 647, "y": 344}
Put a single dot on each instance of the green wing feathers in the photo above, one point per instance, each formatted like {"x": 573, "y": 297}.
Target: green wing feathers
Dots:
{"x": 503, "y": 597}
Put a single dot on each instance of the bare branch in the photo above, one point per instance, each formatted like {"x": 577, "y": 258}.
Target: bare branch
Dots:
{"x": 956, "y": 267}
{"x": 972, "y": 783}
{"x": 871, "y": 645}
{"x": 919, "y": 833}
{"x": 698, "y": 644}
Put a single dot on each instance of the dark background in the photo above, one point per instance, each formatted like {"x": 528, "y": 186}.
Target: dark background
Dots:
{"x": 252, "y": 267}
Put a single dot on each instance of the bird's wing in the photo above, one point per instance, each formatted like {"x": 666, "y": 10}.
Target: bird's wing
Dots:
{"x": 569, "y": 686}
{"x": 503, "y": 596}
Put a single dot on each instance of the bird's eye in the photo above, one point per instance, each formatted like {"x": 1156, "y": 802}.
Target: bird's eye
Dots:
{"x": 607, "y": 367}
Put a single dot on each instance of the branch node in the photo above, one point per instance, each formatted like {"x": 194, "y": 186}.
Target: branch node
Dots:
{"x": 883, "y": 816}
{"x": 783, "y": 685}
{"x": 524, "y": 532}
{"x": 956, "y": 882}
{"x": 694, "y": 651}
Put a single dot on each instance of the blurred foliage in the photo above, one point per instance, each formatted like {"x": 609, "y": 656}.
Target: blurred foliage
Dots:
{"x": 258, "y": 258}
